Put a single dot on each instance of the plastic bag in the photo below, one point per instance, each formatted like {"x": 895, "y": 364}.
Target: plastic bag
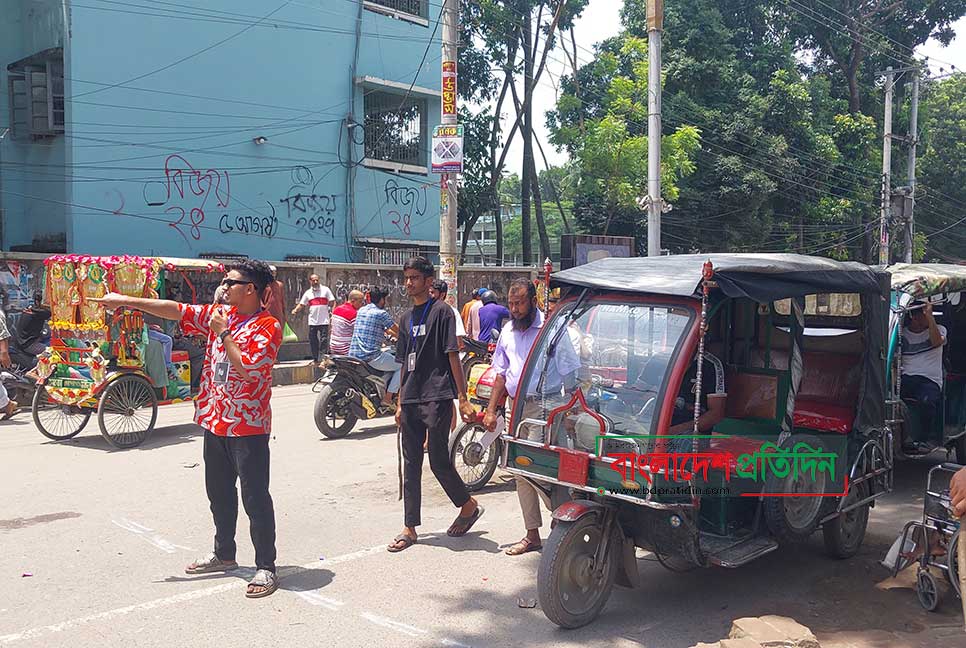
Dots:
{"x": 288, "y": 335}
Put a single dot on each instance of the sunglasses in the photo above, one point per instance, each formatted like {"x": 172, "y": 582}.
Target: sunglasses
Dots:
{"x": 228, "y": 283}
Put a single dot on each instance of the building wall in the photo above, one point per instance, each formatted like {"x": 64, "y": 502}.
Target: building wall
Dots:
{"x": 163, "y": 110}
{"x": 32, "y": 190}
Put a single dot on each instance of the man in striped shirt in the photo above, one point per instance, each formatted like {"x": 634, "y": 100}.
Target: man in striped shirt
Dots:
{"x": 343, "y": 323}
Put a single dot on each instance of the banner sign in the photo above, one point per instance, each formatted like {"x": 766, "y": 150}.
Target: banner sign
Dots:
{"x": 449, "y": 88}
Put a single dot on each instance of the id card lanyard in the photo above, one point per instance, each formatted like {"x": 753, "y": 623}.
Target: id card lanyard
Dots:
{"x": 221, "y": 368}
{"x": 414, "y": 333}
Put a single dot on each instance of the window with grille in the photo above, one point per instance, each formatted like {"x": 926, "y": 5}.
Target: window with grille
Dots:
{"x": 411, "y": 7}
{"x": 36, "y": 94}
{"x": 395, "y": 128}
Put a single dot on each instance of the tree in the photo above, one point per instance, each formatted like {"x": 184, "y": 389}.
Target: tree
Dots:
{"x": 845, "y": 34}
{"x": 941, "y": 192}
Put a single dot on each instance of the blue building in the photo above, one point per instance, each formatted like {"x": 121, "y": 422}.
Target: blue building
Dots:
{"x": 277, "y": 130}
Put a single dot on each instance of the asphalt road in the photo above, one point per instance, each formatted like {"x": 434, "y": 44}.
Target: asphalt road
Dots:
{"x": 94, "y": 542}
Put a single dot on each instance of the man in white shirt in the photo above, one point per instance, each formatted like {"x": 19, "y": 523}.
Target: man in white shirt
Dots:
{"x": 317, "y": 298}
{"x": 922, "y": 364}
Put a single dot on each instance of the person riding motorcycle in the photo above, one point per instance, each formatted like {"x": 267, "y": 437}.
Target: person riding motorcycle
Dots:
{"x": 372, "y": 325}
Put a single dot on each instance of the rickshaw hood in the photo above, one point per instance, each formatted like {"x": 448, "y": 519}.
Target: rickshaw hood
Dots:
{"x": 923, "y": 279}
{"x": 761, "y": 277}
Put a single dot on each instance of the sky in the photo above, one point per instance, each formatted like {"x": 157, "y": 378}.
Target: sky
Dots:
{"x": 601, "y": 20}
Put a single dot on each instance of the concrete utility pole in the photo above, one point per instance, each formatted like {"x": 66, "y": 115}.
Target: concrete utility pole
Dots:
{"x": 913, "y": 142}
{"x": 886, "y": 171}
{"x": 655, "y": 25}
{"x": 447, "y": 221}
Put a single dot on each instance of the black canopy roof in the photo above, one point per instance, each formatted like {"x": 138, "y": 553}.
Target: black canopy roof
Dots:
{"x": 761, "y": 277}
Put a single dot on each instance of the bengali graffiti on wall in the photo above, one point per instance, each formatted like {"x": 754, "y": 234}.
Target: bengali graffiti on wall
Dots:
{"x": 310, "y": 212}
{"x": 198, "y": 204}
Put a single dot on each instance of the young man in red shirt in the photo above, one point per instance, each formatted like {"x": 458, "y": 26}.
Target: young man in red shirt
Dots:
{"x": 234, "y": 409}
{"x": 343, "y": 323}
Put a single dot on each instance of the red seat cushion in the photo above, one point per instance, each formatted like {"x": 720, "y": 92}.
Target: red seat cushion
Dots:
{"x": 817, "y": 415}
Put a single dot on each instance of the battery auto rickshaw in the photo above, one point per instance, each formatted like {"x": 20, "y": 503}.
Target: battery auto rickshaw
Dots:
{"x": 944, "y": 425}
{"x": 705, "y": 408}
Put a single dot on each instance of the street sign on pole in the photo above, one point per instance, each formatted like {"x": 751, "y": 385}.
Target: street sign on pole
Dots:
{"x": 448, "y": 149}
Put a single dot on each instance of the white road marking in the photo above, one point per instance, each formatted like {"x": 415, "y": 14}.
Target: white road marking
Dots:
{"x": 154, "y": 540}
{"x": 167, "y": 601}
{"x": 322, "y": 601}
{"x": 455, "y": 644}
{"x": 390, "y": 624}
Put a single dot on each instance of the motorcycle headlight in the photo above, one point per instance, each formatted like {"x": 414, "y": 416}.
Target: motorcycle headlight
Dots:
{"x": 483, "y": 391}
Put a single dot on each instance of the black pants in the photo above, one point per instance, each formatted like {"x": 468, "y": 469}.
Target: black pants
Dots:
{"x": 228, "y": 459}
{"x": 417, "y": 420}
{"x": 928, "y": 394}
{"x": 319, "y": 341}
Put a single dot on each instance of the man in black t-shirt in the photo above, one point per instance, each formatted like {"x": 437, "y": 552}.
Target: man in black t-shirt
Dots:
{"x": 431, "y": 378}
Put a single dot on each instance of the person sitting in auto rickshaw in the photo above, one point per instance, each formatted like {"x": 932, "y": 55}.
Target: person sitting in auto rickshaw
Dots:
{"x": 922, "y": 366}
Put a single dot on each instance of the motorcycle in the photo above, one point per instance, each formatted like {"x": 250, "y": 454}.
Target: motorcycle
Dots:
{"x": 19, "y": 387}
{"x": 476, "y": 353}
{"x": 349, "y": 390}
{"x": 475, "y": 451}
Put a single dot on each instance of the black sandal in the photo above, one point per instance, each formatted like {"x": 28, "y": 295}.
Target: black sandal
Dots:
{"x": 461, "y": 525}
{"x": 406, "y": 540}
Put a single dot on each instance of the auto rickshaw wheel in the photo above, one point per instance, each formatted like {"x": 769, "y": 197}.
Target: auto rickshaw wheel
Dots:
{"x": 570, "y": 594}
{"x": 793, "y": 519}
{"x": 474, "y": 463}
{"x": 55, "y": 420}
{"x": 844, "y": 535}
{"x": 127, "y": 411}
{"x": 333, "y": 414}
{"x": 928, "y": 590}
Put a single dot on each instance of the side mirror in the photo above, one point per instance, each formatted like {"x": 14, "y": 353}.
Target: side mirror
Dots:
{"x": 494, "y": 335}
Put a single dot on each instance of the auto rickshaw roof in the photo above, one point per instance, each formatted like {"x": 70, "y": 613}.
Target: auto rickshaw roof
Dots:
{"x": 761, "y": 277}
{"x": 924, "y": 279}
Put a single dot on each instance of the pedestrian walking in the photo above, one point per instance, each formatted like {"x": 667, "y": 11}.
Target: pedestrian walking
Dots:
{"x": 275, "y": 298}
{"x": 431, "y": 378}
{"x": 234, "y": 409}
{"x": 516, "y": 340}
{"x": 317, "y": 298}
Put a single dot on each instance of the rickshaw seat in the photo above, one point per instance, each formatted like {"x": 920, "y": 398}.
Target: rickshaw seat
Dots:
{"x": 827, "y": 417}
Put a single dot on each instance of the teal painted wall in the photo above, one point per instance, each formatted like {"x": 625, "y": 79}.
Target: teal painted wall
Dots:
{"x": 163, "y": 107}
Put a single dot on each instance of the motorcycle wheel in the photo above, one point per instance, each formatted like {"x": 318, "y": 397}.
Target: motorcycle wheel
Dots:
{"x": 333, "y": 418}
{"x": 474, "y": 464}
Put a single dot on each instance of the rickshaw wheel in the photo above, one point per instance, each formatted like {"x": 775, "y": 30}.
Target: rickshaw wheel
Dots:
{"x": 952, "y": 564}
{"x": 55, "y": 420}
{"x": 474, "y": 463}
{"x": 928, "y": 590}
{"x": 844, "y": 535}
{"x": 794, "y": 519}
{"x": 333, "y": 414}
{"x": 127, "y": 411}
{"x": 569, "y": 594}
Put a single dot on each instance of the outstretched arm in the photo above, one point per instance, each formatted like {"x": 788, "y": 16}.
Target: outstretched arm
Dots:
{"x": 163, "y": 308}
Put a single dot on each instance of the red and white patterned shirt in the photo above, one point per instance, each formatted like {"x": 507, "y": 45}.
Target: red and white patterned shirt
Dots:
{"x": 235, "y": 407}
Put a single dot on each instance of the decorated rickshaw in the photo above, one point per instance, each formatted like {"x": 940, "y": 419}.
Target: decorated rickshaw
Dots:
{"x": 106, "y": 363}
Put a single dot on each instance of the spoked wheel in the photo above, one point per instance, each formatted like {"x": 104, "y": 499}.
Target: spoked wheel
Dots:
{"x": 572, "y": 592}
{"x": 794, "y": 517}
{"x": 333, "y": 414}
{"x": 928, "y": 590}
{"x": 127, "y": 411}
{"x": 55, "y": 420}
{"x": 844, "y": 534}
{"x": 474, "y": 463}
